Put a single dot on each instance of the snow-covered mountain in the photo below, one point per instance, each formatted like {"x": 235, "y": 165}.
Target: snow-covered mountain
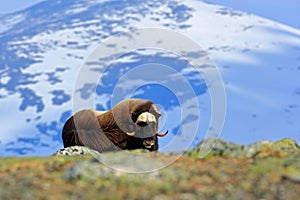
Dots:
{"x": 43, "y": 47}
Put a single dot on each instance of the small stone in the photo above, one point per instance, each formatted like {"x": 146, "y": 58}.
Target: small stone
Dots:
{"x": 75, "y": 150}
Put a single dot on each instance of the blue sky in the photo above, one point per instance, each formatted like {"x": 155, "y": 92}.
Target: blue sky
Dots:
{"x": 286, "y": 12}
{"x": 15, "y": 5}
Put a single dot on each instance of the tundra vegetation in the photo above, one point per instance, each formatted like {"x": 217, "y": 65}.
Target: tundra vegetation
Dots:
{"x": 263, "y": 170}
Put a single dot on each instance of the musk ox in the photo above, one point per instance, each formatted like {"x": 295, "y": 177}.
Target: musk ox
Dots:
{"x": 131, "y": 124}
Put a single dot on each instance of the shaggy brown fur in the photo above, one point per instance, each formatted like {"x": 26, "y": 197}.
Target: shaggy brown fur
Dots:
{"x": 108, "y": 131}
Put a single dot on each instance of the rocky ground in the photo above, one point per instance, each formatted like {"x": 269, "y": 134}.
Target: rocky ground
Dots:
{"x": 263, "y": 170}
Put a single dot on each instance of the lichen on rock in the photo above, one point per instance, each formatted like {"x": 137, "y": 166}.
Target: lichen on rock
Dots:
{"x": 284, "y": 147}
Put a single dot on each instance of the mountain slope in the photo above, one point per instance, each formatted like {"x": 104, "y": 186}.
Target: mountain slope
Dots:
{"x": 43, "y": 47}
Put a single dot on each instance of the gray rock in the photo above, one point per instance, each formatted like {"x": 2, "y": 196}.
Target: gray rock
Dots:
{"x": 74, "y": 151}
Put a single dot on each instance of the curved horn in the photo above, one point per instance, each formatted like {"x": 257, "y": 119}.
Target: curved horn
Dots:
{"x": 162, "y": 134}
{"x": 130, "y": 134}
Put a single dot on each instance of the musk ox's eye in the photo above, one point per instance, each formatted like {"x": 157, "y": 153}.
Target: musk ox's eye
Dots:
{"x": 134, "y": 117}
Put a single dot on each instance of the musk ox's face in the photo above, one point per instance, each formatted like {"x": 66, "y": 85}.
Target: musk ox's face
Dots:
{"x": 144, "y": 123}
{"x": 146, "y": 129}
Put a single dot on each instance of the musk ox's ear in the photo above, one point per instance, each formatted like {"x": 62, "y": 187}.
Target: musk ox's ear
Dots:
{"x": 155, "y": 110}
